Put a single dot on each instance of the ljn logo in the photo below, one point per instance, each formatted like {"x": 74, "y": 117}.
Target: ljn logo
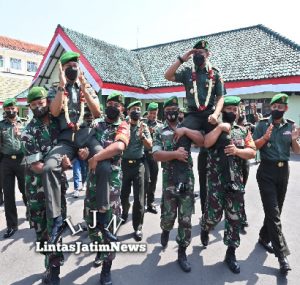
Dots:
{"x": 113, "y": 222}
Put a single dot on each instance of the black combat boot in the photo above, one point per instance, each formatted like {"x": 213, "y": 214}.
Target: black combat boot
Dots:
{"x": 105, "y": 278}
{"x": 51, "y": 276}
{"x": 284, "y": 264}
{"x": 164, "y": 238}
{"x": 182, "y": 260}
{"x": 204, "y": 237}
{"x": 230, "y": 260}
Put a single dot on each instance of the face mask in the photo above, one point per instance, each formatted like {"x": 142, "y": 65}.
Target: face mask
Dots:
{"x": 112, "y": 112}
{"x": 171, "y": 116}
{"x": 198, "y": 59}
{"x": 135, "y": 115}
{"x": 71, "y": 73}
{"x": 276, "y": 114}
{"x": 10, "y": 114}
{"x": 40, "y": 112}
{"x": 228, "y": 117}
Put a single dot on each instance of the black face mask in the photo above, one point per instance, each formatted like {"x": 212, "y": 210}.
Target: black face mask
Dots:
{"x": 276, "y": 114}
{"x": 135, "y": 115}
{"x": 40, "y": 112}
{"x": 198, "y": 59}
{"x": 71, "y": 73}
{"x": 112, "y": 112}
{"x": 228, "y": 117}
{"x": 11, "y": 114}
{"x": 171, "y": 116}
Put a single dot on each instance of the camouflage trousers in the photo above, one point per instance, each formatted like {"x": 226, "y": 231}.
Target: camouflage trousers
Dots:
{"x": 173, "y": 204}
{"x": 95, "y": 234}
{"x": 232, "y": 203}
{"x": 37, "y": 213}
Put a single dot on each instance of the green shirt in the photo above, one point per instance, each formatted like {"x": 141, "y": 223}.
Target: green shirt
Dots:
{"x": 185, "y": 77}
{"x": 135, "y": 149}
{"x": 10, "y": 136}
{"x": 278, "y": 147}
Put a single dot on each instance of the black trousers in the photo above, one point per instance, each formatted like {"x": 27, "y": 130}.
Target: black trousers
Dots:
{"x": 202, "y": 172}
{"x": 133, "y": 173}
{"x": 151, "y": 173}
{"x": 272, "y": 182}
{"x": 194, "y": 121}
{"x": 12, "y": 168}
{"x": 52, "y": 175}
{"x": 1, "y": 182}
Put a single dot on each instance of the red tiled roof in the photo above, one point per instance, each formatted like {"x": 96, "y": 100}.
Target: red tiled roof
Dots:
{"x": 22, "y": 46}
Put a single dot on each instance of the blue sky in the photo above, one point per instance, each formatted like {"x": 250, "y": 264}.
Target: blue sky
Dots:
{"x": 132, "y": 23}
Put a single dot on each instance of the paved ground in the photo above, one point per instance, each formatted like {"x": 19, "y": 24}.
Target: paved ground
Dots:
{"x": 20, "y": 265}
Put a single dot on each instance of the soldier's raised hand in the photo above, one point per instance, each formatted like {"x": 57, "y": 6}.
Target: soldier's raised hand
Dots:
{"x": 268, "y": 133}
{"x": 295, "y": 134}
{"x": 62, "y": 76}
{"x": 181, "y": 154}
{"x": 188, "y": 55}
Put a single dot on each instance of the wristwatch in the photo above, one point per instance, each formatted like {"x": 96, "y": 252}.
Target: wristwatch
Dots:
{"x": 61, "y": 89}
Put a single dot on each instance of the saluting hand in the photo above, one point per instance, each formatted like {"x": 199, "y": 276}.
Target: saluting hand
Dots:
{"x": 268, "y": 133}
{"x": 62, "y": 76}
{"x": 295, "y": 134}
{"x": 188, "y": 54}
{"x": 141, "y": 132}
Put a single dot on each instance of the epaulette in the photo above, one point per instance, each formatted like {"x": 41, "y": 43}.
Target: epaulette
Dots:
{"x": 290, "y": 121}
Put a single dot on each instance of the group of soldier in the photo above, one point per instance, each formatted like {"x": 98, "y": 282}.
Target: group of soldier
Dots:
{"x": 125, "y": 150}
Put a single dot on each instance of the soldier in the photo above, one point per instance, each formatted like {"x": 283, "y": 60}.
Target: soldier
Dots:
{"x": 113, "y": 134}
{"x": 68, "y": 105}
{"x": 224, "y": 196}
{"x": 274, "y": 136}
{"x": 134, "y": 170}
{"x": 10, "y": 147}
{"x": 173, "y": 199}
{"x": 203, "y": 85}
{"x": 151, "y": 166}
{"x": 38, "y": 138}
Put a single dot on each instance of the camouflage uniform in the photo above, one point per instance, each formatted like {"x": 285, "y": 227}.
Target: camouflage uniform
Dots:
{"x": 106, "y": 134}
{"x": 220, "y": 197}
{"x": 37, "y": 140}
{"x": 172, "y": 201}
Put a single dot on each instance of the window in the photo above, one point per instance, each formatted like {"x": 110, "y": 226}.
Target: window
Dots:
{"x": 15, "y": 63}
{"x": 1, "y": 61}
{"x": 31, "y": 66}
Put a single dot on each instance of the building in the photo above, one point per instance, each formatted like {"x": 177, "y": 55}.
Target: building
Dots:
{"x": 255, "y": 61}
{"x": 19, "y": 62}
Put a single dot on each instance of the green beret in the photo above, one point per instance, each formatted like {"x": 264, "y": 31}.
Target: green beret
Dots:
{"x": 9, "y": 102}
{"x": 116, "y": 96}
{"x": 172, "y": 101}
{"x": 202, "y": 44}
{"x": 152, "y": 106}
{"x": 69, "y": 56}
{"x": 36, "y": 93}
{"x": 280, "y": 98}
{"x": 134, "y": 103}
{"x": 232, "y": 100}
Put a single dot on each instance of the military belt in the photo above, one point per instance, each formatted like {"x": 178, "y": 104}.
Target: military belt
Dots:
{"x": 132, "y": 161}
{"x": 13, "y": 156}
{"x": 278, "y": 164}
